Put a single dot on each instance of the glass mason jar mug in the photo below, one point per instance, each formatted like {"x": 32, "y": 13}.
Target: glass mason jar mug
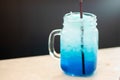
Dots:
{"x": 78, "y": 44}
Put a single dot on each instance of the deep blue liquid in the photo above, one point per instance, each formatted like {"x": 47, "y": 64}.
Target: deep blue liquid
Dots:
{"x": 71, "y": 62}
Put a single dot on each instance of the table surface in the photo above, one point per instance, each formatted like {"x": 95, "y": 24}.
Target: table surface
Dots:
{"x": 47, "y": 68}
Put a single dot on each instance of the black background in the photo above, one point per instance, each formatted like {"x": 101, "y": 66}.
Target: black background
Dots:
{"x": 26, "y": 24}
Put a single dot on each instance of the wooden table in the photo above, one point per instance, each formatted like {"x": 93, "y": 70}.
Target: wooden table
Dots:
{"x": 47, "y": 68}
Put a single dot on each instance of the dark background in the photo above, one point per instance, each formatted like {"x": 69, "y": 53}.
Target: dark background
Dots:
{"x": 26, "y": 24}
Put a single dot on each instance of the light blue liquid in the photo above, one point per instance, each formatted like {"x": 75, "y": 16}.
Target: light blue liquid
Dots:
{"x": 70, "y": 47}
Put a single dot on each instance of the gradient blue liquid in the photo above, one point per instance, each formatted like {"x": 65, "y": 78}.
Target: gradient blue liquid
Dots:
{"x": 70, "y": 47}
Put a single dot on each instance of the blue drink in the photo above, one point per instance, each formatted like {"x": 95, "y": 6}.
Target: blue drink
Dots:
{"x": 78, "y": 44}
{"x": 70, "y": 44}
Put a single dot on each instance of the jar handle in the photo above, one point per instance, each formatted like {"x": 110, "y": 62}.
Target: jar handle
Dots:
{"x": 51, "y": 39}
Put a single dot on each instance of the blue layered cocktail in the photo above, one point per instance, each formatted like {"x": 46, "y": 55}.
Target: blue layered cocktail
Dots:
{"x": 79, "y": 57}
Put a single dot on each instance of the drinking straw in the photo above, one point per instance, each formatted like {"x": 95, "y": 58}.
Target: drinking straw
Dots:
{"x": 82, "y": 34}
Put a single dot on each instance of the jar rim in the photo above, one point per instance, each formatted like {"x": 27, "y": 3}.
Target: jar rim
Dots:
{"x": 84, "y": 13}
{"x": 77, "y": 14}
